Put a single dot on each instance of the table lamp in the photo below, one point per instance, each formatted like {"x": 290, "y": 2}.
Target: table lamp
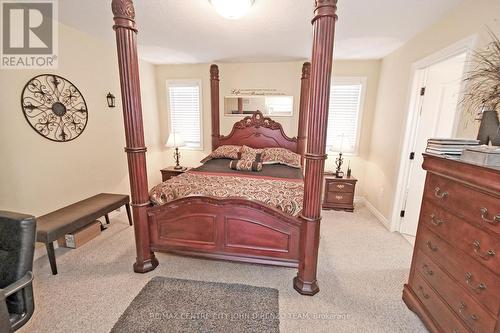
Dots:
{"x": 339, "y": 160}
{"x": 175, "y": 141}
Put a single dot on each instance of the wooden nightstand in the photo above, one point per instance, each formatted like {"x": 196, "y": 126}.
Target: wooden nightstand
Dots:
{"x": 339, "y": 193}
{"x": 170, "y": 172}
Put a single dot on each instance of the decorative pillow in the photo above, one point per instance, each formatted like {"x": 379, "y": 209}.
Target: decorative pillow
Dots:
{"x": 251, "y": 154}
{"x": 281, "y": 156}
{"x": 245, "y": 165}
{"x": 228, "y": 151}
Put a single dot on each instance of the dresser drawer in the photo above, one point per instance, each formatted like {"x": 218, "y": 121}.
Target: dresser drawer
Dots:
{"x": 479, "y": 282}
{"x": 472, "y": 205}
{"x": 339, "y": 198}
{"x": 469, "y": 280}
{"x": 467, "y": 237}
{"x": 440, "y": 311}
{"x": 339, "y": 186}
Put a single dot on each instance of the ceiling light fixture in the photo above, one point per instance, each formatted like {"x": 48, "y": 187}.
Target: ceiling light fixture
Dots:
{"x": 232, "y": 9}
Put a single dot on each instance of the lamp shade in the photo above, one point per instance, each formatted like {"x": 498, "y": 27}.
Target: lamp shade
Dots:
{"x": 175, "y": 140}
{"x": 338, "y": 143}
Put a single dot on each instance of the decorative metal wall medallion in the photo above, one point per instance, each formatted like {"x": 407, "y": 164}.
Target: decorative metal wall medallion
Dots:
{"x": 54, "y": 107}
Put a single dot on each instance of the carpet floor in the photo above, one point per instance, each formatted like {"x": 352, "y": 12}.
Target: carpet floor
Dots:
{"x": 362, "y": 269}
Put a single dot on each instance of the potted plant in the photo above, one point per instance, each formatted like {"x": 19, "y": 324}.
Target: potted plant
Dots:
{"x": 484, "y": 91}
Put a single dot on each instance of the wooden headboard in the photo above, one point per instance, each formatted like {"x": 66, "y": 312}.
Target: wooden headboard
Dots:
{"x": 257, "y": 131}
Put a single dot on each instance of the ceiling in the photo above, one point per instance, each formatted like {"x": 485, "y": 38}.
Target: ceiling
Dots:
{"x": 190, "y": 31}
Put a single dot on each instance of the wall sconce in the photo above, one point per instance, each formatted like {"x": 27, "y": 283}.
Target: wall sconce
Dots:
{"x": 111, "y": 100}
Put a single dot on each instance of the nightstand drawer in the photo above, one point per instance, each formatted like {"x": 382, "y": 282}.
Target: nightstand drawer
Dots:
{"x": 339, "y": 198}
{"x": 339, "y": 193}
{"x": 339, "y": 186}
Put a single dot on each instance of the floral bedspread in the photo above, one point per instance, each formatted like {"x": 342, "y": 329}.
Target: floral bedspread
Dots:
{"x": 284, "y": 194}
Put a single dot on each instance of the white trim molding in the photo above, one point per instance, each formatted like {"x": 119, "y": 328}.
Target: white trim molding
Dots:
{"x": 417, "y": 76}
{"x": 378, "y": 215}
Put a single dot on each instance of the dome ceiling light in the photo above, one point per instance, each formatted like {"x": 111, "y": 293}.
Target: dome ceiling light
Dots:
{"x": 232, "y": 9}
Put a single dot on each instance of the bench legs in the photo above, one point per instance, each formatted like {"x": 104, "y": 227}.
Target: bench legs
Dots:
{"x": 127, "y": 206}
{"x": 52, "y": 257}
{"x": 129, "y": 215}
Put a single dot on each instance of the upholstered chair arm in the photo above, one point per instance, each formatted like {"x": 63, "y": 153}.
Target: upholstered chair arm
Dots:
{"x": 4, "y": 315}
{"x": 19, "y": 285}
{"x": 25, "y": 281}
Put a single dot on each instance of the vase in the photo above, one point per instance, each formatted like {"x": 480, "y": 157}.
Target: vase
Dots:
{"x": 489, "y": 130}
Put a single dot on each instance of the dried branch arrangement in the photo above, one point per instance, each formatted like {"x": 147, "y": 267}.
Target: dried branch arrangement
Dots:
{"x": 483, "y": 80}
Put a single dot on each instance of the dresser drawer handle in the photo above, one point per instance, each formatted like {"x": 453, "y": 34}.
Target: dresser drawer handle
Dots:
{"x": 340, "y": 186}
{"x": 421, "y": 290}
{"x": 436, "y": 221}
{"x": 462, "y": 309}
{"x": 433, "y": 248}
{"x": 477, "y": 250}
{"x": 427, "y": 270}
{"x": 339, "y": 197}
{"x": 440, "y": 194}
{"x": 480, "y": 287}
{"x": 484, "y": 216}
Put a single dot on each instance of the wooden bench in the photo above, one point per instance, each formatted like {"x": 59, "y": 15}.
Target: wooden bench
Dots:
{"x": 54, "y": 225}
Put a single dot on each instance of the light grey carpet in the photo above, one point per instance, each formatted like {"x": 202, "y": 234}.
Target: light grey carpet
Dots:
{"x": 361, "y": 272}
{"x": 177, "y": 305}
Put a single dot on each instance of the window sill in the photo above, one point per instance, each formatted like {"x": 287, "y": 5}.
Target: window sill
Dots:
{"x": 355, "y": 154}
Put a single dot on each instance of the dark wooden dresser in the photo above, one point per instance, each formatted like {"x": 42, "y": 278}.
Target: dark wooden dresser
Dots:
{"x": 339, "y": 193}
{"x": 454, "y": 283}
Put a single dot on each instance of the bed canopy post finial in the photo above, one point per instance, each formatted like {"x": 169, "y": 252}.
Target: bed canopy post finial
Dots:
{"x": 215, "y": 105}
{"x": 304, "y": 108}
{"x": 126, "y": 42}
{"x": 321, "y": 67}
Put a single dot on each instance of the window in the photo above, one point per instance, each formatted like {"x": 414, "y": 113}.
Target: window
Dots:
{"x": 344, "y": 114}
{"x": 279, "y": 105}
{"x": 185, "y": 111}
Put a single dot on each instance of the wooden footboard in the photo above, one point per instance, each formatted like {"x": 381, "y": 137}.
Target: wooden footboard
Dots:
{"x": 229, "y": 229}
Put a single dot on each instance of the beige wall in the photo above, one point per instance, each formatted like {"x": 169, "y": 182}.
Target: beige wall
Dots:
{"x": 471, "y": 17}
{"x": 283, "y": 76}
{"x": 152, "y": 134}
{"x": 38, "y": 175}
{"x": 371, "y": 70}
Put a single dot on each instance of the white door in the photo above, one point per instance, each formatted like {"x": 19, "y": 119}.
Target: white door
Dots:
{"x": 439, "y": 103}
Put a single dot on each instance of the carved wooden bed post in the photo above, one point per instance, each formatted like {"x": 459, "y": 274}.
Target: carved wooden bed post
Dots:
{"x": 215, "y": 105}
{"x": 322, "y": 57}
{"x": 304, "y": 108}
{"x": 126, "y": 40}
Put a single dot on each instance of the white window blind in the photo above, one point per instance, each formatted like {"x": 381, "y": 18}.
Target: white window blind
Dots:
{"x": 185, "y": 112}
{"x": 344, "y": 115}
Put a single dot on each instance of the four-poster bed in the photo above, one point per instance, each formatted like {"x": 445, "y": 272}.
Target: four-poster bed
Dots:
{"x": 233, "y": 228}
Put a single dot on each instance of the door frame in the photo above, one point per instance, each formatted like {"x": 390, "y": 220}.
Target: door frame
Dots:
{"x": 418, "y": 77}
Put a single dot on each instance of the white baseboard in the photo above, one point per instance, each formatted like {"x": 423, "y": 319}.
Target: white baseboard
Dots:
{"x": 377, "y": 214}
{"x": 410, "y": 239}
